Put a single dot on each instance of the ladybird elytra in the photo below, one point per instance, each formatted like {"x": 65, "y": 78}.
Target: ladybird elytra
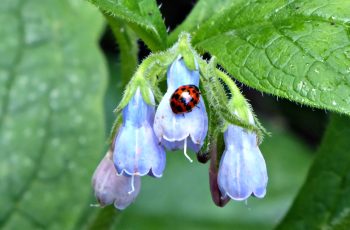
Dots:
{"x": 184, "y": 99}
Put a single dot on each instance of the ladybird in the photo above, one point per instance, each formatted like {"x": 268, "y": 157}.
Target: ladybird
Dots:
{"x": 184, "y": 99}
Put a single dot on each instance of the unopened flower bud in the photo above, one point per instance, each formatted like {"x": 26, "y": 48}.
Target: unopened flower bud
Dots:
{"x": 111, "y": 188}
{"x": 216, "y": 195}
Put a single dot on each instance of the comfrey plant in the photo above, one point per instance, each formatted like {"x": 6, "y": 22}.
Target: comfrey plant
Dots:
{"x": 227, "y": 134}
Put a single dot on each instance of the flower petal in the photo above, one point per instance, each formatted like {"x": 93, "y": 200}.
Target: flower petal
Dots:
{"x": 178, "y": 74}
{"x": 260, "y": 179}
{"x": 137, "y": 152}
{"x": 175, "y": 145}
{"x": 176, "y": 127}
{"x": 138, "y": 111}
{"x": 122, "y": 201}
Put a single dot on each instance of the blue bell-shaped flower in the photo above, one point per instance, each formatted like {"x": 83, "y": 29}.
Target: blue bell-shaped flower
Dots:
{"x": 242, "y": 169}
{"x": 137, "y": 151}
{"x": 177, "y": 131}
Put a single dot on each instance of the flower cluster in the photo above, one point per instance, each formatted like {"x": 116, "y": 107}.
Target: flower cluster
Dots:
{"x": 179, "y": 122}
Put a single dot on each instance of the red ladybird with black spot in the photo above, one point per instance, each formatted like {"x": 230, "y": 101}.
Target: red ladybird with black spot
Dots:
{"x": 184, "y": 99}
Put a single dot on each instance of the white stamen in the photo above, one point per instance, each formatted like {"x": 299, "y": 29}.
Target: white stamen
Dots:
{"x": 132, "y": 185}
{"x": 185, "y": 151}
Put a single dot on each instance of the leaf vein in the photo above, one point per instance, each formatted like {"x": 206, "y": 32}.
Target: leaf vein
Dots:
{"x": 29, "y": 182}
{"x": 12, "y": 71}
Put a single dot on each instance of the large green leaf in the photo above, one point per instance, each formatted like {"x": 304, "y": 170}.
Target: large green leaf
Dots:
{"x": 323, "y": 202}
{"x": 202, "y": 11}
{"x": 298, "y": 50}
{"x": 52, "y": 81}
{"x": 143, "y": 16}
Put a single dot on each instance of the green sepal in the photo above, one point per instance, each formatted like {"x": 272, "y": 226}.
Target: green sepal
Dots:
{"x": 220, "y": 148}
{"x": 158, "y": 95}
{"x": 146, "y": 92}
{"x": 145, "y": 77}
{"x": 234, "y": 111}
{"x": 186, "y": 51}
{"x": 262, "y": 130}
{"x": 203, "y": 155}
{"x": 217, "y": 87}
{"x": 118, "y": 121}
{"x": 127, "y": 95}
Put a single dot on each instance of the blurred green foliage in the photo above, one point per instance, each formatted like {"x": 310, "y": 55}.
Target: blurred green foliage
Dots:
{"x": 52, "y": 82}
{"x": 323, "y": 202}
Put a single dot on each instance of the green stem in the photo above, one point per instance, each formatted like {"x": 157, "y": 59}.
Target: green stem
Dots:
{"x": 238, "y": 99}
{"x": 153, "y": 65}
{"x": 127, "y": 42}
{"x": 105, "y": 218}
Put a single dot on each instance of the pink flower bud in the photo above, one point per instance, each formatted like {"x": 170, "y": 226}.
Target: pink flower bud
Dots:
{"x": 111, "y": 188}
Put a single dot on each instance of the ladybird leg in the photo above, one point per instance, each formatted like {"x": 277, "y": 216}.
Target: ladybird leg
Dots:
{"x": 132, "y": 185}
{"x": 198, "y": 107}
{"x": 185, "y": 150}
{"x": 183, "y": 115}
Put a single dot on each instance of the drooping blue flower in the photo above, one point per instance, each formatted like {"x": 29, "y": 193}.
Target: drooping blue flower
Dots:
{"x": 136, "y": 148}
{"x": 242, "y": 169}
{"x": 111, "y": 188}
{"x": 177, "y": 131}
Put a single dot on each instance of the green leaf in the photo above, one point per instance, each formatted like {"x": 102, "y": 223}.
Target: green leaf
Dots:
{"x": 323, "y": 202}
{"x": 298, "y": 50}
{"x": 143, "y": 16}
{"x": 52, "y": 81}
{"x": 202, "y": 11}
